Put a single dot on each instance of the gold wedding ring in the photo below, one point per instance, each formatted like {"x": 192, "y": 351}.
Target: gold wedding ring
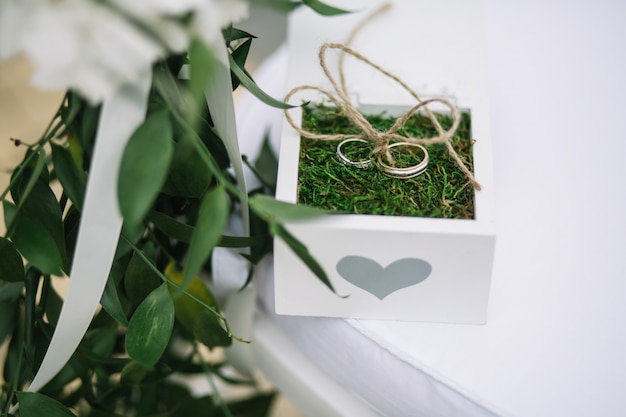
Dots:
{"x": 408, "y": 172}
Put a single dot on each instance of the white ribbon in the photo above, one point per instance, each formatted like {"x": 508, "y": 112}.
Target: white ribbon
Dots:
{"x": 219, "y": 97}
{"x": 100, "y": 226}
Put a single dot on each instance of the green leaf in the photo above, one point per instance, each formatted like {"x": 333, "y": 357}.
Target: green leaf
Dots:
{"x": 212, "y": 219}
{"x": 71, "y": 178}
{"x": 251, "y": 86}
{"x": 240, "y": 241}
{"x": 280, "y": 5}
{"x": 14, "y": 364}
{"x": 144, "y": 167}
{"x": 323, "y": 8}
{"x": 10, "y": 291}
{"x": 11, "y": 265}
{"x": 269, "y": 209}
{"x": 131, "y": 236}
{"x": 76, "y": 151}
{"x": 21, "y": 187}
{"x": 43, "y": 205}
{"x": 188, "y": 175}
{"x": 33, "y": 404}
{"x": 208, "y": 330}
{"x": 54, "y": 303}
{"x": 9, "y": 213}
{"x": 302, "y": 252}
{"x": 71, "y": 224}
{"x": 111, "y": 303}
{"x": 182, "y": 232}
{"x": 71, "y": 110}
{"x": 195, "y": 317}
{"x": 232, "y": 34}
{"x": 150, "y": 327}
{"x": 10, "y": 295}
{"x": 139, "y": 280}
{"x": 8, "y": 319}
{"x": 31, "y": 285}
{"x": 38, "y": 231}
{"x": 240, "y": 55}
{"x": 266, "y": 164}
{"x": 170, "y": 226}
{"x": 202, "y": 62}
{"x": 99, "y": 342}
{"x": 133, "y": 373}
{"x": 37, "y": 245}
{"x": 86, "y": 125}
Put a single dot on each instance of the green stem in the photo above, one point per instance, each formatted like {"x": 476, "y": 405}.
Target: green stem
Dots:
{"x": 216, "y": 395}
{"x": 156, "y": 270}
{"x": 16, "y": 377}
{"x": 49, "y": 133}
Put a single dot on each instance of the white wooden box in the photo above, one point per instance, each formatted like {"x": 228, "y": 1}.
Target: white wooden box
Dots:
{"x": 402, "y": 268}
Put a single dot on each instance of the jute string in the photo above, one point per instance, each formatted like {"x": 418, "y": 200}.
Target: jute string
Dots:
{"x": 380, "y": 140}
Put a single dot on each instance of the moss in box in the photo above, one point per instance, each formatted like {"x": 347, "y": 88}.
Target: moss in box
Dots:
{"x": 441, "y": 191}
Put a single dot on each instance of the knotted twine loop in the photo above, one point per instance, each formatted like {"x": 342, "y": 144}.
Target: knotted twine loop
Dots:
{"x": 380, "y": 140}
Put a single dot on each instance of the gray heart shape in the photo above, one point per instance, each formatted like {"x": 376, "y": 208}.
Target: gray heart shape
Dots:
{"x": 373, "y": 278}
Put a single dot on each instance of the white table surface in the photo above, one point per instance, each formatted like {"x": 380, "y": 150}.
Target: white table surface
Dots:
{"x": 555, "y": 341}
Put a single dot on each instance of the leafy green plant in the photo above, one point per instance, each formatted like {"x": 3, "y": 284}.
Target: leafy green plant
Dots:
{"x": 158, "y": 318}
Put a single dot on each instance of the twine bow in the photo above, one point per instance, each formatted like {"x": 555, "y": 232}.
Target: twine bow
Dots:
{"x": 380, "y": 140}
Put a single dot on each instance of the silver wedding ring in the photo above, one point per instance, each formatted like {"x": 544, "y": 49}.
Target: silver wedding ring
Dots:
{"x": 408, "y": 172}
{"x": 363, "y": 163}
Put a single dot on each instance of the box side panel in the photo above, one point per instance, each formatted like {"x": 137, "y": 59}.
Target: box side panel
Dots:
{"x": 387, "y": 275}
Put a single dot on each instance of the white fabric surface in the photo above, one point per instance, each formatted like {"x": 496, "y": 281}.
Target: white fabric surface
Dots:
{"x": 555, "y": 340}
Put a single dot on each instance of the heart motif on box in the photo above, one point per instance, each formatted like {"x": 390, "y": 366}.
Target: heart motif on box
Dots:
{"x": 370, "y": 276}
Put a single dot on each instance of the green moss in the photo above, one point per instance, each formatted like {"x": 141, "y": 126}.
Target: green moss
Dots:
{"x": 441, "y": 191}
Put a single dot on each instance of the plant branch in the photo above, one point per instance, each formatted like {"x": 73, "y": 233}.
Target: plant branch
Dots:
{"x": 216, "y": 395}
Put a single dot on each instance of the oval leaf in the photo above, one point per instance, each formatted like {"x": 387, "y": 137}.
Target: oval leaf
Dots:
{"x": 72, "y": 179}
{"x": 209, "y": 331}
{"x": 37, "y": 230}
{"x": 199, "y": 320}
{"x": 11, "y": 265}
{"x": 323, "y": 8}
{"x": 37, "y": 245}
{"x": 10, "y": 307}
{"x": 139, "y": 279}
{"x": 144, "y": 167}
{"x": 133, "y": 373}
{"x": 202, "y": 64}
{"x": 35, "y": 163}
{"x": 110, "y": 300}
{"x": 251, "y": 86}
{"x": 33, "y": 404}
{"x": 212, "y": 219}
{"x": 171, "y": 227}
{"x": 240, "y": 55}
{"x": 269, "y": 208}
{"x": 188, "y": 175}
{"x": 302, "y": 252}
{"x": 150, "y": 327}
